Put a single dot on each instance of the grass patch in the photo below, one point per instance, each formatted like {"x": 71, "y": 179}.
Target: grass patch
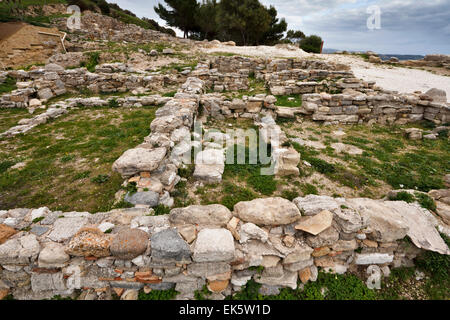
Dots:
{"x": 62, "y": 155}
{"x": 158, "y": 295}
{"x": 8, "y": 85}
{"x": 293, "y": 100}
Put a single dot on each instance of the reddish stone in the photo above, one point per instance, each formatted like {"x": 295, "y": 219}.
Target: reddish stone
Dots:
{"x": 5, "y": 232}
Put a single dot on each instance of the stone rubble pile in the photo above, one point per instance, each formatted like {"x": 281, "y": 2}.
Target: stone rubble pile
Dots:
{"x": 273, "y": 241}
{"x": 153, "y": 164}
{"x": 54, "y": 80}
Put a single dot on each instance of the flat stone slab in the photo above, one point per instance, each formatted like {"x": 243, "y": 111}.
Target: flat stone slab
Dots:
{"x": 309, "y": 143}
{"x": 373, "y": 258}
{"x": 393, "y": 220}
{"x": 65, "y": 228}
{"x": 213, "y": 214}
{"x": 316, "y": 224}
{"x": 346, "y": 148}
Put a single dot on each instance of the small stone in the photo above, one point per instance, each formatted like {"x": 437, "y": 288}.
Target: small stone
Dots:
{"x": 188, "y": 232}
{"x": 305, "y": 275}
{"x": 39, "y": 213}
{"x": 370, "y": 243}
{"x": 39, "y": 230}
{"x": 65, "y": 228}
{"x": 5, "y": 233}
{"x": 373, "y": 258}
{"x": 105, "y": 226}
{"x": 130, "y": 294}
{"x": 232, "y": 226}
{"x": 319, "y": 252}
{"x": 252, "y": 231}
{"x": 129, "y": 243}
{"x": 214, "y": 214}
{"x": 289, "y": 241}
{"x": 217, "y": 285}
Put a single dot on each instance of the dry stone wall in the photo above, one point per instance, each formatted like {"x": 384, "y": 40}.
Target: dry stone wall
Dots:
{"x": 273, "y": 241}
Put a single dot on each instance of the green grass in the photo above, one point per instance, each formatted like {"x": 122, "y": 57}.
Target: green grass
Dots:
{"x": 250, "y": 173}
{"x": 92, "y": 62}
{"x": 8, "y": 85}
{"x": 158, "y": 295}
{"x": 68, "y": 160}
{"x": 284, "y": 100}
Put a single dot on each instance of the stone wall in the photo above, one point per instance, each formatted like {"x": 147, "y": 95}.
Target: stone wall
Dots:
{"x": 54, "y": 80}
{"x": 378, "y": 107}
{"x": 273, "y": 241}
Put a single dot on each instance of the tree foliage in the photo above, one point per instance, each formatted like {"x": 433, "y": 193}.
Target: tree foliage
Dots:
{"x": 246, "y": 22}
{"x": 312, "y": 44}
{"x": 180, "y": 14}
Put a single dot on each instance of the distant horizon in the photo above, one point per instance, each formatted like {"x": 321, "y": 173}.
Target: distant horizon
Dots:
{"x": 411, "y": 27}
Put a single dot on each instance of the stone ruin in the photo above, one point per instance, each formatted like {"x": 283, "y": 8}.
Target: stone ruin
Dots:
{"x": 273, "y": 241}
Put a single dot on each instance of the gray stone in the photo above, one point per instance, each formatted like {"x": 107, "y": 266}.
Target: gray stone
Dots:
{"x": 39, "y": 230}
{"x": 65, "y": 228}
{"x": 149, "y": 198}
{"x": 47, "y": 281}
{"x": 373, "y": 258}
{"x": 312, "y": 204}
{"x": 168, "y": 245}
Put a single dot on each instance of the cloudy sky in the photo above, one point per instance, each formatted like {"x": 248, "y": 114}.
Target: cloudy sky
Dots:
{"x": 406, "y": 26}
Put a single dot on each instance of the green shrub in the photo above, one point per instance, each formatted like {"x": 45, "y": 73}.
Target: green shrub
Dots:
{"x": 402, "y": 196}
{"x": 425, "y": 201}
{"x": 92, "y": 62}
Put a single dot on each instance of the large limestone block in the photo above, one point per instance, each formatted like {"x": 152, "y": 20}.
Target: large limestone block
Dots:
{"x": 209, "y": 165}
{"x": 286, "y": 162}
{"x": 393, "y": 220}
{"x": 139, "y": 159}
{"x": 267, "y": 211}
{"x": 214, "y": 245}
{"x": 53, "y": 256}
{"x": 213, "y": 214}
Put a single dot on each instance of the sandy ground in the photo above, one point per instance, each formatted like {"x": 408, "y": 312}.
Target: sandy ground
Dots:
{"x": 403, "y": 80}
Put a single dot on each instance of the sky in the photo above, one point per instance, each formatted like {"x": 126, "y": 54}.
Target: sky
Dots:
{"x": 401, "y": 27}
